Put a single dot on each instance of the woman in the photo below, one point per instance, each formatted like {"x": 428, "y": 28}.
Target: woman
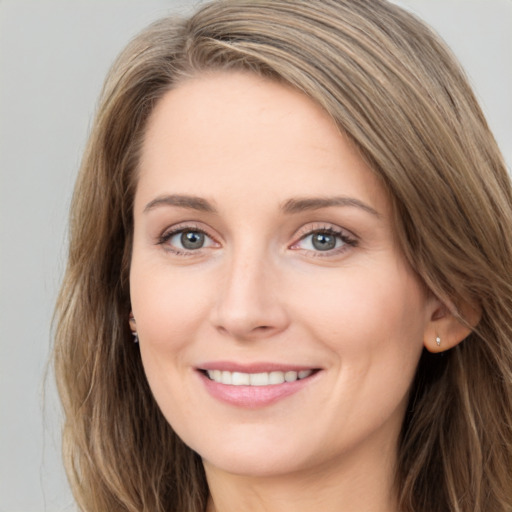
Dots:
{"x": 297, "y": 210}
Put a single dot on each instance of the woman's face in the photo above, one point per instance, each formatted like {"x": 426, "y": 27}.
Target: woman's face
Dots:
{"x": 280, "y": 326}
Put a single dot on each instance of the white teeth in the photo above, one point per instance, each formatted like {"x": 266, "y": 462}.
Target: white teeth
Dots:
{"x": 240, "y": 379}
{"x": 259, "y": 379}
{"x": 290, "y": 376}
{"x": 256, "y": 379}
{"x": 276, "y": 377}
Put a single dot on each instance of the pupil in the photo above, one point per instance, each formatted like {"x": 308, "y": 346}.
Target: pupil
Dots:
{"x": 192, "y": 239}
{"x": 324, "y": 241}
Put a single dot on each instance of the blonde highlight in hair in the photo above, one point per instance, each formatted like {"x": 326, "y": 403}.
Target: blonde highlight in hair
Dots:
{"x": 393, "y": 87}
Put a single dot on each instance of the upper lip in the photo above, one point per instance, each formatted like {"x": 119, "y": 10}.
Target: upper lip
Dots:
{"x": 256, "y": 367}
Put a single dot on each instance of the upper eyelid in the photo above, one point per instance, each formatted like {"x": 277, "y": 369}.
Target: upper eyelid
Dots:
{"x": 311, "y": 228}
{"x": 185, "y": 226}
{"x": 347, "y": 236}
{"x": 175, "y": 229}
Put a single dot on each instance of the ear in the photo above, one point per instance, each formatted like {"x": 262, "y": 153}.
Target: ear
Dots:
{"x": 131, "y": 321}
{"x": 449, "y": 325}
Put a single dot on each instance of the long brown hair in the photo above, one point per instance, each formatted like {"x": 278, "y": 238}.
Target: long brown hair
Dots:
{"x": 394, "y": 88}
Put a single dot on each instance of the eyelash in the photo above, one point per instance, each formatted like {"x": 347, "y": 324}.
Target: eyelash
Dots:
{"x": 168, "y": 235}
{"x": 347, "y": 239}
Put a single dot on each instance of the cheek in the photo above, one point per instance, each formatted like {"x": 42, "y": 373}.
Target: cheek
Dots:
{"x": 169, "y": 310}
{"x": 167, "y": 304}
{"x": 367, "y": 312}
{"x": 372, "y": 324}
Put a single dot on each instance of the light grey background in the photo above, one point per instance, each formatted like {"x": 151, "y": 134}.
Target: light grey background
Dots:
{"x": 53, "y": 57}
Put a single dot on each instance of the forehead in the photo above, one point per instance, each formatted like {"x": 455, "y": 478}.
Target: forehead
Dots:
{"x": 242, "y": 134}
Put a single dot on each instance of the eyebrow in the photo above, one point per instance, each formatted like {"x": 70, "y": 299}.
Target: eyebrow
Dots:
{"x": 316, "y": 203}
{"x": 295, "y": 205}
{"x": 182, "y": 201}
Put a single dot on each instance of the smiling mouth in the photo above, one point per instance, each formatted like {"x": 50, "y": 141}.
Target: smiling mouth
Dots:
{"x": 257, "y": 379}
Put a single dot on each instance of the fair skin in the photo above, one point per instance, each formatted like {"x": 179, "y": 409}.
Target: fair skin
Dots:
{"x": 263, "y": 244}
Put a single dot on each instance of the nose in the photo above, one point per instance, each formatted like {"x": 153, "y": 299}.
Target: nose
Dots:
{"x": 249, "y": 304}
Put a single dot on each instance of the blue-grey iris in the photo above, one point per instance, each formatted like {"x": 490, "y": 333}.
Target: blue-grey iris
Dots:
{"x": 323, "y": 241}
{"x": 192, "y": 239}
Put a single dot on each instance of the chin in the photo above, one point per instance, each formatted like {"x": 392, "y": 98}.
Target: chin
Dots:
{"x": 264, "y": 454}
{"x": 248, "y": 463}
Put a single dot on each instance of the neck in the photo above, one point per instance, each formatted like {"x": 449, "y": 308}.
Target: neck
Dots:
{"x": 351, "y": 486}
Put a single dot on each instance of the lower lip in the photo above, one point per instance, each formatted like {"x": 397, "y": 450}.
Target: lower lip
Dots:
{"x": 252, "y": 397}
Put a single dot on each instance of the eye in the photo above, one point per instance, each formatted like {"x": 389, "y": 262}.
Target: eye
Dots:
{"x": 327, "y": 240}
{"x": 190, "y": 240}
{"x": 323, "y": 241}
{"x": 186, "y": 239}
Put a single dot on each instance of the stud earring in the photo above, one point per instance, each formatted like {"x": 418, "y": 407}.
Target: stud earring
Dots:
{"x": 135, "y": 337}
{"x": 438, "y": 341}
